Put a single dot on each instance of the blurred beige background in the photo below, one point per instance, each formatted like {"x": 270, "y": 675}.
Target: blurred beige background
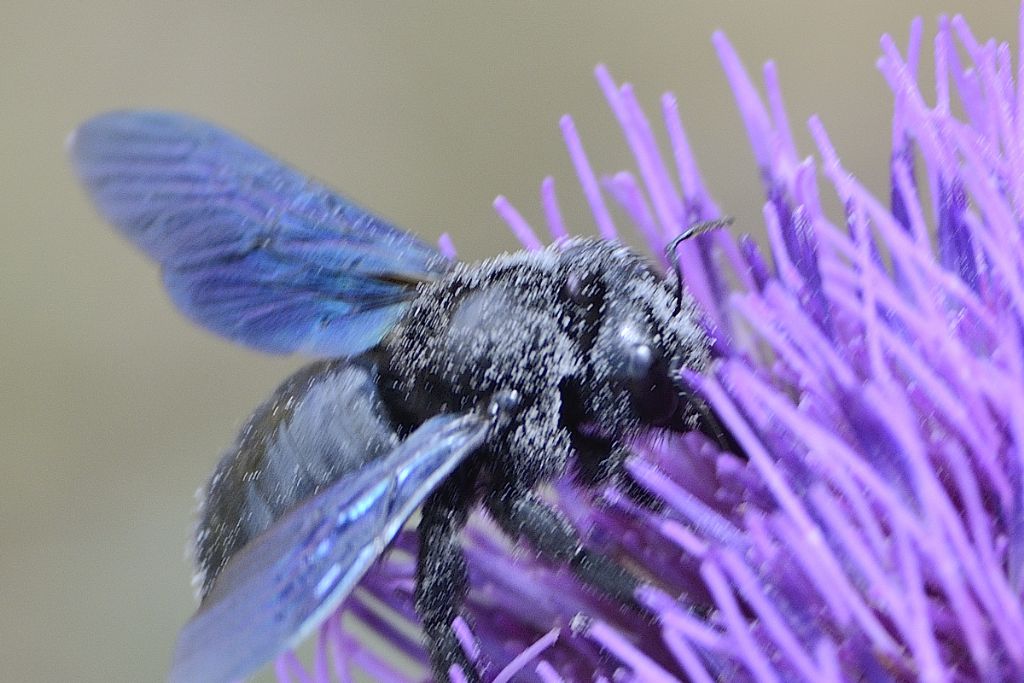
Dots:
{"x": 114, "y": 408}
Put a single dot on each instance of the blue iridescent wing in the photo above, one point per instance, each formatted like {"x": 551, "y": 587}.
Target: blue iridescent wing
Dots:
{"x": 250, "y": 248}
{"x": 287, "y": 580}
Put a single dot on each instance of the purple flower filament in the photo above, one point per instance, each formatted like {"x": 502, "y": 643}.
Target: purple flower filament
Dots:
{"x": 875, "y": 380}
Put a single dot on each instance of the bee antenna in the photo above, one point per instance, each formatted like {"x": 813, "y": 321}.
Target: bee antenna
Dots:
{"x": 692, "y": 231}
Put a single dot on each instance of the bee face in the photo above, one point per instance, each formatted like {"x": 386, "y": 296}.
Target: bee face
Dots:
{"x": 636, "y": 332}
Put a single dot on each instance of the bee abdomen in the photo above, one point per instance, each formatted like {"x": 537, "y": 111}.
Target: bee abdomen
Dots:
{"x": 323, "y": 422}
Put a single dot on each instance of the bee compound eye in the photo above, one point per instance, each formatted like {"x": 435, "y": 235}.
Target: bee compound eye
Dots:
{"x": 504, "y": 403}
{"x": 639, "y": 360}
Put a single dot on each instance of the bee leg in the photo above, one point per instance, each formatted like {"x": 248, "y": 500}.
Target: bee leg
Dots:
{"x": 524, "y": 516}
{"x": 597, "y": 459}
{"x": 442, "y": 579}
{"x": 602, "y": 461}
{"x": 696, "y": 414}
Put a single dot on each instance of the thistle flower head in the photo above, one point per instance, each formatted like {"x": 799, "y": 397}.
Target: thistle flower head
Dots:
{"x": 870, "y": 365}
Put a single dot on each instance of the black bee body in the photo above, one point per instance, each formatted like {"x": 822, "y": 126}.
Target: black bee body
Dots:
{"x": 583, "y": 338}
{"x": 451, "y": 385}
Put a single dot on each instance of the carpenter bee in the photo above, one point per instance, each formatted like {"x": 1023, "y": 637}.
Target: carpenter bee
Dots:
{"x": 442, "y": 385}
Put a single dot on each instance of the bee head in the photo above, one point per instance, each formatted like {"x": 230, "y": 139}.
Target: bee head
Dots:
{"x": 637, "y": 330}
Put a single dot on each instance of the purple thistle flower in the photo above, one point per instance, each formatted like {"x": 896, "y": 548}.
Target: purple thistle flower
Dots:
{"x": 874, "y": 376}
